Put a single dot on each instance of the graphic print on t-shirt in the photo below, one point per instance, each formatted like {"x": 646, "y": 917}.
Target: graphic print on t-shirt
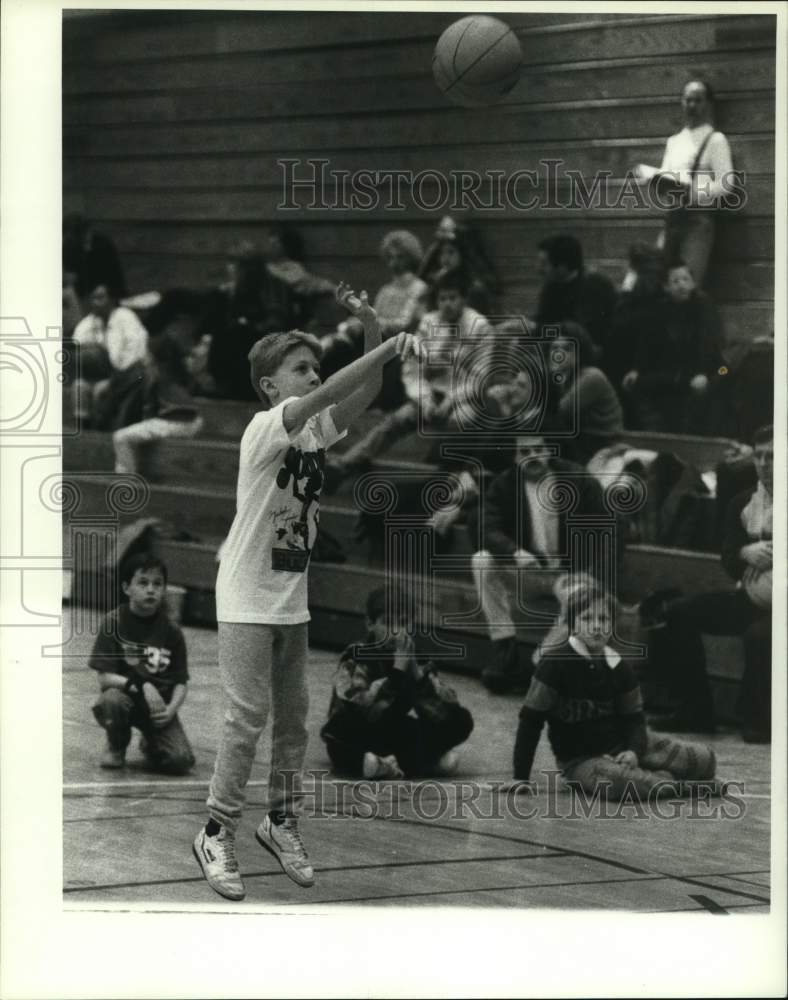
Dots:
{"x": 302, "y": 474}
{"x": 155, "y": 659}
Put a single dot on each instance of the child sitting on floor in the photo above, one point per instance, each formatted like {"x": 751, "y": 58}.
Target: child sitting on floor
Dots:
{"x": 140, "y": 657}
{"x": 590, "y": 698}
{"x": 390, "y": 715}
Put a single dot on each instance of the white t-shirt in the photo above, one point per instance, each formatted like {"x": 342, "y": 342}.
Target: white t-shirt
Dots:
{"x": 124, "y": 336}
{"x": 262, "y": 575}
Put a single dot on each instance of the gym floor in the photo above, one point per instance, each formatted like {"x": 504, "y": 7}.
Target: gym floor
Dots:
{"x": 128, "y": 834}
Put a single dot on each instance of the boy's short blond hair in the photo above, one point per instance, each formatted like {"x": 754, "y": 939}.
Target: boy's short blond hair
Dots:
{"x": 267, "y": 355}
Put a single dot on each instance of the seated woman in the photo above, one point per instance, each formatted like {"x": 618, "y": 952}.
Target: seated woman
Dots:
{"x": 111, "y": 343}
{"x": 458, "y": 247}
{"x": 399, "y": 305}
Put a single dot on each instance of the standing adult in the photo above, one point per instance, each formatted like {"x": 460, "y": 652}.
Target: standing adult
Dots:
{"x": 698, "y": 160}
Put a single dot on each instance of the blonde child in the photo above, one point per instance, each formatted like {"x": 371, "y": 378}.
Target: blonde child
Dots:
{"x": 261, "y": 589}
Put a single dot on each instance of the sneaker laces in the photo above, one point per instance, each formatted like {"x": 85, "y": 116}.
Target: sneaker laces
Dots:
{"x": 226, "y": 847}
{"x": 289, "y": 827}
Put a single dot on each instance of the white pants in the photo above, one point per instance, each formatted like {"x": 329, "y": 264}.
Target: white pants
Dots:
{"x": 128, "y": 439}
{"x": 498, "y": 582}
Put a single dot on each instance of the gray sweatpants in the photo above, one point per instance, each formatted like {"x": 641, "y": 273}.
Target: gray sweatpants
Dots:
{"x": 262, "y": 666}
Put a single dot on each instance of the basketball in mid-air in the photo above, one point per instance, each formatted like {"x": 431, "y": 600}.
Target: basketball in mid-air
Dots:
{"x": 477, "y": 61}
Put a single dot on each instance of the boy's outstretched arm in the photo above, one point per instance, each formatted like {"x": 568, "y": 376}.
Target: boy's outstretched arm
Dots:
{"x": 348, "y": 380}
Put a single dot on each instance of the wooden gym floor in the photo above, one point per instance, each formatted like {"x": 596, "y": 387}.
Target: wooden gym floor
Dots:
{"x": 128, "y": 834}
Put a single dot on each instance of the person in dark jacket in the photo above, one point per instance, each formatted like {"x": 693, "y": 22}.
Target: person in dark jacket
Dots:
{"x": 677, "y": 359}
{"x": 391, "y": 715}
{"x": 744, "y": 610}
{"x": 569, "y": 292}
{"x": 90, "y": 258}
{"x": 525, "y": 526}
{"x": 590, "y": 698}
{"x": 250, "y": 304}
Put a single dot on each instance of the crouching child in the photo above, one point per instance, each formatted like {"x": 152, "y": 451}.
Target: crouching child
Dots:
{"x": 391, "y": 716}
{"x": 140, "y": 658}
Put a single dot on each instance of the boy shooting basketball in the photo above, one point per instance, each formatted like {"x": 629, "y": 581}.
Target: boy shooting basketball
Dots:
{"x": 261, "y": 589}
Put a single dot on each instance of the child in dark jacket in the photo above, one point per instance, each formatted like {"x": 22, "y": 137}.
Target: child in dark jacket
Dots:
{"x": 590, "y": 698}
{"x": 390, "y": 715}
{"x": 677, "y": 359}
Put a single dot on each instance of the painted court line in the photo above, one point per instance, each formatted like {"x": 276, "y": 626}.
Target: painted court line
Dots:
{"x": 77, "y": 786}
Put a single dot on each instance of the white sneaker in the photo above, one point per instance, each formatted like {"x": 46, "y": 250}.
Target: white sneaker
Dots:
{"x": 216, "y": 857}
{"x": 284, "y": 842}
{"x": 381, "y": 767}
{"x": 447, "y": 764}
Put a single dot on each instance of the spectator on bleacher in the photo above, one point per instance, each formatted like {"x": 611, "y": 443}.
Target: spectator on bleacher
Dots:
{"x": 569, "y": 292}
{"x": 504, "y": 408}
{"x": 587, "y": 402}
{"x": 283, "y": 250}
{"x": 636, "y": 318}
{"x": 699, "y": 158}
{"x": 90, "y": 258}
{"x": 399, "y": 305}
{"x": 166, "y": 407}
{"x": 433, "y": 392}
{"x": 111, "y": 341}
{"x": 246, "y": 307}
{"x": 676, "y": 359}
{"x": 745, "y": 610}
{"x": 72, "y": 307}
{"x": 401, "y": 301}
{"x": 458, "y": 247}
{"x": 391, "y": 715}
{"x": 749, "y": 388}
{"x": 524, "y": 531}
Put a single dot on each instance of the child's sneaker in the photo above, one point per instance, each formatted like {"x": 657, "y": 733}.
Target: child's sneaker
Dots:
{"x": 216, "y": 857}
{"x": 447, "y": 764}
{"x": 381, "y": 767}
{"x": 112, "y": 759}
{"x": 284, "y": 841}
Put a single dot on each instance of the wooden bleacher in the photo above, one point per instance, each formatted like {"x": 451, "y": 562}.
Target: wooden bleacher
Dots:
{"x": 172, "y": 144}
{"x": 192, "y": 494}
{"x": 173, "y": 124}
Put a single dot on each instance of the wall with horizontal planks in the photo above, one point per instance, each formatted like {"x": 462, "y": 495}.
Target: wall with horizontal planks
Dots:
{"x": 173, "y": 125}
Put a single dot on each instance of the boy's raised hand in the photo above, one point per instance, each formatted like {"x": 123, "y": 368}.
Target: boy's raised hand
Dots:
{"x": 358, "y": 305}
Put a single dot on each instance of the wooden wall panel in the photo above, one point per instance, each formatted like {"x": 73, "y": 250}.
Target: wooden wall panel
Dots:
{"x": 173, "y": 125}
